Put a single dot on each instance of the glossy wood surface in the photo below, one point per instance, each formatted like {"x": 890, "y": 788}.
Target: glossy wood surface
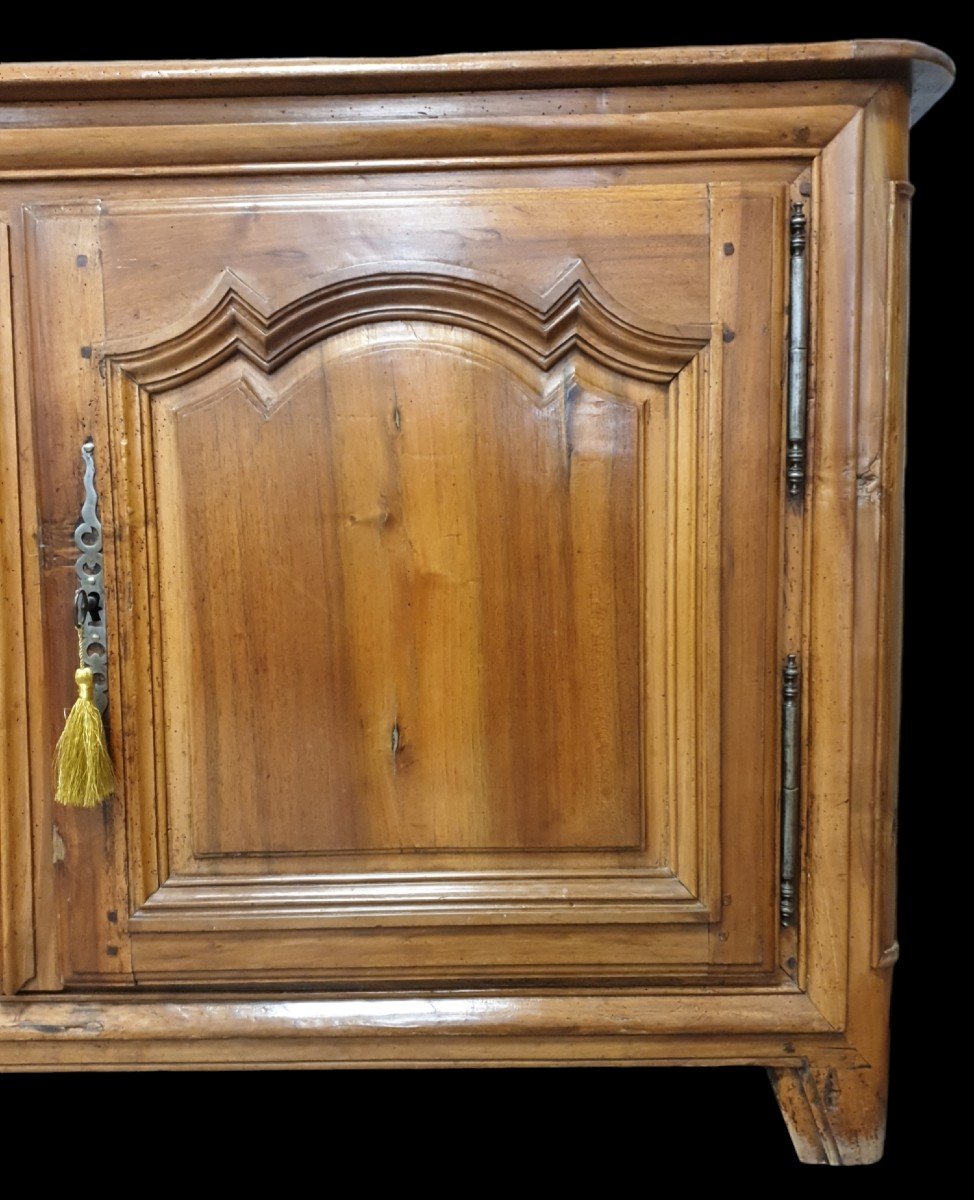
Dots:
{"x": 438, "y": 410}
{"x": 16, "y": 949}
{"x": 928, "y": 72}
{"x": 476, "y": 651}
{"x": 435, "y": 654}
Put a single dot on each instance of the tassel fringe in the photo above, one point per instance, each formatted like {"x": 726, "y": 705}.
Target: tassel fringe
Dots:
{"x": 85, "y": 776}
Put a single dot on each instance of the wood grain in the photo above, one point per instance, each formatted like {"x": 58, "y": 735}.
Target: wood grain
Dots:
{"x": 831, "y": 512}
{"x": 693, "y": 1027}
{"x": 69, "y": 405}
{"x": 415, "y": 576}
{"x": 929, "y": 71}
{"x": 551, "y": 102}
{"x": 746, "y": 230}
{"x": 450, "y": 642}
{"x": 854, "y": 623}
{"x": 890, "y": 570}
{"x": 290, "y": 250}
{"x": 624, "y": 134}
{"x": 435, "y": 774}
{"x": 16, "y": 891}
{"x": 831, "y": 1114}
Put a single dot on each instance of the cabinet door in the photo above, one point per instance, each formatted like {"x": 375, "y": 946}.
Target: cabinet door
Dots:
{"x": 442, "y": 570}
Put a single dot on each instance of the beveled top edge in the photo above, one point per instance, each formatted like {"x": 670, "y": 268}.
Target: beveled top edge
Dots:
{"x": 928, "y": 71}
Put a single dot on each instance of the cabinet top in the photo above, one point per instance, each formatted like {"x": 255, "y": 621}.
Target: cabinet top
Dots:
{"x": 928, "y": 72}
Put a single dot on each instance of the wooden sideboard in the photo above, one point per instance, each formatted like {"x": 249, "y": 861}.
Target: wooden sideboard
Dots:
{"x": 498, "y": 464}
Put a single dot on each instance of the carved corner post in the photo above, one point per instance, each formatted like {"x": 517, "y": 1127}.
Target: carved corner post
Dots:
{"x": 836, "y": 1117}
{"x": 837, "y": 1113}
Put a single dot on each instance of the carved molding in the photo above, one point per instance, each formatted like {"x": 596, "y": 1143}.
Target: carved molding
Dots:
{"x": 230, "y": 902}
{"x": 530, "y": 1027}
{"x": 573, "y": 314}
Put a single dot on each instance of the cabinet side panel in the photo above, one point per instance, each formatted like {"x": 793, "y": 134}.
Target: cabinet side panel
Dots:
{"x": 16, "y": 906}
{"x": 891, "y": 611}
{"x": 831, "y": 509}
{"x": 853, "y": 656}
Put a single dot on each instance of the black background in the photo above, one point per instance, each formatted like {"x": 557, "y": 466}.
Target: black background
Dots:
{"x": 605, "y": 1129}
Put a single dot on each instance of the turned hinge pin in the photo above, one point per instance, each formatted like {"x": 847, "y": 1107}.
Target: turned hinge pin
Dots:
{"x": 790, "y": 784}
{"x": 797, "y": 351}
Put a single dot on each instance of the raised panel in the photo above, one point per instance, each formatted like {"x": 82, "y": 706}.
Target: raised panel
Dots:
{"x": 453, "y": 533}
{"x": 427, "y": 636}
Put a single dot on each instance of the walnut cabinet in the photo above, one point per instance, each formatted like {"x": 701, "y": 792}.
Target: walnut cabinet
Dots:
{"x": 474, "y": 441}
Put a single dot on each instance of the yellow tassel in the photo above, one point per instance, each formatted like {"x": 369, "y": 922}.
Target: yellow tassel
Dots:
{"x": 85, "y": 776}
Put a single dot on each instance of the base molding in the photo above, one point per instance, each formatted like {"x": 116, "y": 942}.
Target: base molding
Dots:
{"x": 832, "y": 1101}
{"x": 780, "y": 1029}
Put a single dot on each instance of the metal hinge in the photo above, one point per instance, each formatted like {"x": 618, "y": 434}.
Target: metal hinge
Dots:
{"x": 790, "y": 784}
{"x": 797, "y": 351}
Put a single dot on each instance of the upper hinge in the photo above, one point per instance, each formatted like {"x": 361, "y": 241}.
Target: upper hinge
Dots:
{"x": 797, "y": 350}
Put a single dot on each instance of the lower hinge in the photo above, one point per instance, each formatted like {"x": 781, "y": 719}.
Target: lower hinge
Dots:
{"x": 790, "y": 785}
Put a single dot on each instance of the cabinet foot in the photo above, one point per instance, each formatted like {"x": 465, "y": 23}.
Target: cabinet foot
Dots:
{"x": 835, "y": 1117}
